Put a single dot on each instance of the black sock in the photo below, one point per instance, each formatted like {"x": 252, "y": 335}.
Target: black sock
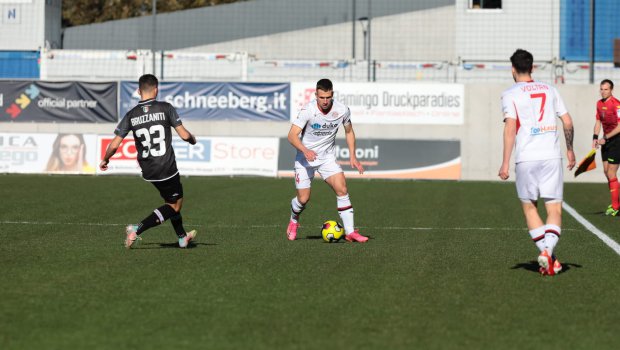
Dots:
{"x": 177, "y": 223}
{"x": 157, "y": 217}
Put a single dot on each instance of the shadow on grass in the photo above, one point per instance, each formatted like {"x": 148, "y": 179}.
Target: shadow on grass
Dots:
{"x": 533, "y": 266}
{"x": 171, "y": 245}
{"x": 342, "y": 240}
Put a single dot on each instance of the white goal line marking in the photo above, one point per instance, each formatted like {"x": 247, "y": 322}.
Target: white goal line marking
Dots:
{"x": 384, "y": 228}
{"x": 588, "y": 225}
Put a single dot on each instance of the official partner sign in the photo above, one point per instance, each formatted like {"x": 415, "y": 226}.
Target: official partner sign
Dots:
{"x": 37, "y": 101}
{"x": 375, "y": 103}
{"x": 218, "y": 101}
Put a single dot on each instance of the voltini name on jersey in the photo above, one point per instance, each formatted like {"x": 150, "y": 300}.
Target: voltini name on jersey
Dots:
{"x": 539, "y": 130}
{"x": 534, "y": 87}
{"x": 151, "y": 117}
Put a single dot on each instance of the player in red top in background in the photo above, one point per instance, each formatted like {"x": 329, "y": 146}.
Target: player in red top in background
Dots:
{"x": 608, "y": 115}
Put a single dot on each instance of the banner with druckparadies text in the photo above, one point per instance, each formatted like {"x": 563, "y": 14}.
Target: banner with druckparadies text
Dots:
{"x": 70, "y": 153}
{"x": 390, "y": 159}
{"x": 217, "y": 101}
{"x": 70, "y": 102}
{"x": 392, "y": 103}
{"x": 209, "y": 156}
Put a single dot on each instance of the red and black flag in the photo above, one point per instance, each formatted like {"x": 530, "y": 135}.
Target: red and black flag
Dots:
{"x": 586, "y": 163}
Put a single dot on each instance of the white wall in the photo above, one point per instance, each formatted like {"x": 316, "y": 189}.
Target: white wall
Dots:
{"x": 495, "y": 34}
{"x": 53, "y": 23}
{"x": 22, "y": 25}
{"x": 481, "y": 135}
{"x": 26, "y": 24}
{"x": 397, "y": 37}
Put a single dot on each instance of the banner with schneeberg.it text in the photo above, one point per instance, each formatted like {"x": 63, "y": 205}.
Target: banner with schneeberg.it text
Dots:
{"x": 217, "y": 101}
{"x": 393, "y": 103}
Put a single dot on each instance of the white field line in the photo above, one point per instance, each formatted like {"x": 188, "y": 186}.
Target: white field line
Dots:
{"x": 588, "y": 225}
{"x": 382, "y": 228}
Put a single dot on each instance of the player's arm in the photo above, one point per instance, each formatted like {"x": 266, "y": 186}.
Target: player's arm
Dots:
{"x": 293, "y": 138}
{"x": 109, "y": 152}
{"x": 611, "y": 134}
{"x": 510, "y": 134}
{"x": 350, "y": 137}
{"x": 185, "y": 134}
{"x": 597, "y": 130}
{"x": 569, "y": 134}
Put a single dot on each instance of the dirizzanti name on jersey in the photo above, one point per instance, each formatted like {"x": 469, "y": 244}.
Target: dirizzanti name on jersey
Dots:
{"x": 151, "y": 117}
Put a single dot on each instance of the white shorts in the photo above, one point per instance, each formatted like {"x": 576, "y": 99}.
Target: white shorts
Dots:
{"x": 304, "y": 171}
{"x": 540, "y": 179}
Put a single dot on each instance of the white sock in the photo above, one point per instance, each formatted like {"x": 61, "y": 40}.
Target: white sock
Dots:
{"x": 552, "y": 236}
{"x": 345, "y": 210}
{"x": 538, "y": 236}
{"x": 296, "y": 209}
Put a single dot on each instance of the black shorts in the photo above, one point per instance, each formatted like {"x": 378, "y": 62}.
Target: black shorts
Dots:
{"x": 170, "y": 190}
{"x": 610, "y": 151}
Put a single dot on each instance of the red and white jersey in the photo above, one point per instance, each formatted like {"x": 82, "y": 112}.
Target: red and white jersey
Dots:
{"x": 318, "y": 129}
{"x": 536, "y": 107}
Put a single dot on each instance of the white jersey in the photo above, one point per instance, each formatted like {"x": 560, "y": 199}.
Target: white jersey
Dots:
{"x": 535, "y": 106}
{"x": 318, "y": 130}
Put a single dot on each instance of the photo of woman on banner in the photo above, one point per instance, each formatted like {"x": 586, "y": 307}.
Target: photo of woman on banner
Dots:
{"x": 69, "y": 155}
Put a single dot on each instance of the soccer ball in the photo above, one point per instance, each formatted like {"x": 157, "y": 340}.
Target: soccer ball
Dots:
{"x": 332, "y": 231}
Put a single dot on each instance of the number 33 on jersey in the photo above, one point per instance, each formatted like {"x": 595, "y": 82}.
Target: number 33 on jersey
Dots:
{"x": 151, "y": 122}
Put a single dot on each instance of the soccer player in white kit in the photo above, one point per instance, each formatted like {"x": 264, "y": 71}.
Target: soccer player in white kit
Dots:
{"x": 313, "y": 134}
{"x": 530, "y": 110}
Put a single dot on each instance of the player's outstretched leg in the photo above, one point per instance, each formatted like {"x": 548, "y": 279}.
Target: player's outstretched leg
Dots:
{"x": 189, "y": 236}
{"x": 557, "y": 266}
{"x": 296, "y": 208}
{"x": 184, "y": 237}
{"x": 545, "y": 261}
{"x": 291, "y": 230}
{"x": 345, "y": 210}
{"x": 132, "y": 236}
{"x": 355, "y": 236}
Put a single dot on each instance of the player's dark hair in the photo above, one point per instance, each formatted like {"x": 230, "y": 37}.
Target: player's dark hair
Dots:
{"x": 522, "y": 61}
{"x": 325, "y": 85}
{"x": 147, "y": 82}
{"x": 607, "y": 81}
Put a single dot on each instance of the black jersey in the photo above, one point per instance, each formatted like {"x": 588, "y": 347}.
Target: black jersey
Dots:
{"x": 151, "y": 122}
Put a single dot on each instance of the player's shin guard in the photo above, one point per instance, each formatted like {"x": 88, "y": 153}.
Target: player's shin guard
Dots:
{"x": 552, "y": 236}
{"x": 345, "y": 210}
{"x": 157, "y": 217}
{"x": 296, "y": 209}
{"x": 177, "y": 224}
{"x": 615, "y": 195}
{"x": 538, "y": 236}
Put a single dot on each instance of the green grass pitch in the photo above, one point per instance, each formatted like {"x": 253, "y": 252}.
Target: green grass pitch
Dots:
{"x": 449, "y": 265}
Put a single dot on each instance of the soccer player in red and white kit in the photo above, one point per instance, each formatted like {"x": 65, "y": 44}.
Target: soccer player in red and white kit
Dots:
{"x": 313, "y": 134}
{"x": 530, "y": 110}
{"x": 608, "y": 115}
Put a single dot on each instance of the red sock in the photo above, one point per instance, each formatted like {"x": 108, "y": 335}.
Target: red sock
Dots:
{"x": 613, "y": 189}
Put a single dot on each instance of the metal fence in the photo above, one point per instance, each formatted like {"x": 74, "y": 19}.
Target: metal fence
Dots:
{"x": 98, "y": 65}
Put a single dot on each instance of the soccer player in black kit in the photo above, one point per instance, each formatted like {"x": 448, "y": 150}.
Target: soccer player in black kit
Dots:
{"x": 150, "y": 121}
